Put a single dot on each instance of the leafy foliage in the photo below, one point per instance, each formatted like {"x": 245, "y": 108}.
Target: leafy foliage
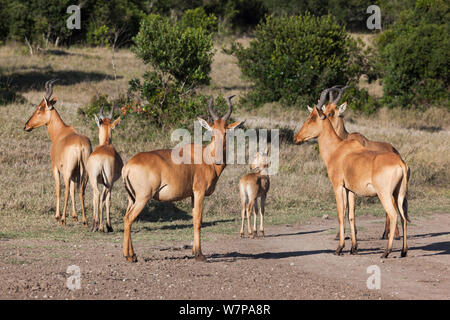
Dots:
{"x": 414, "y": 56}
{"x": 293, "y": 58}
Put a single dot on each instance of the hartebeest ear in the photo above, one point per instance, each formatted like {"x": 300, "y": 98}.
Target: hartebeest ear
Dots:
{"x": 115, "y": 123}
{"x": 309, "y": 109}
{"x": 204, "y": 124}
{"x": 50, "y": 103}
{"x": 234, "y": 125}
{"x": 97, "y": 121}
{"x": 342, "y": 108}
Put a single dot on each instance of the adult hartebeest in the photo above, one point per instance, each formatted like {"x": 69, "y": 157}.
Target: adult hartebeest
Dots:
{"x": 335, "y": 115}
{"x": 155, "y": 175}
{"x": 251, "y": 187}
{"x": 104, "y": 167}
{"x": 354, "y": 169}
{"x": 69, "y": 152}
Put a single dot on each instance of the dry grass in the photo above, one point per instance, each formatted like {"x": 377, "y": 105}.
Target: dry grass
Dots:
{"x": 301, "y": 188}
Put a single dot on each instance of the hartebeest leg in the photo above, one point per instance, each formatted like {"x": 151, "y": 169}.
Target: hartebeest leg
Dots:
{"x": 58, "y": 192}
{"x": 388, "y": 205}
{"x": 249, "y": 212}
{"x": 96, "y": 204}
{"x": 83, "y": 184}
{"x": 255, "y": 211}
{"x": 66, "y": 198}
{"x": 243, "y": 205}
{"x": 128, "y": 220}
{"x": 344, "y": 194}
{"x": 102, "y": 205}
{"x": 351, "y": 216}
{"x": 108, "y": 207}
{"x": 72, "y": 199}
{"x": 261, "y": 215}
{"x": 197, "y": 217}
{"x": 341, "y": 215}
{"x": 386, "y": 229}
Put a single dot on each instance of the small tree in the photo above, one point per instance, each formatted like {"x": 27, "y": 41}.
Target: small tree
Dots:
{"x": 184, "y": 53}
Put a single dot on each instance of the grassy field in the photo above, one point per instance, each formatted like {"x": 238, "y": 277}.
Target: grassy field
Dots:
{"x": 299, "y": 191}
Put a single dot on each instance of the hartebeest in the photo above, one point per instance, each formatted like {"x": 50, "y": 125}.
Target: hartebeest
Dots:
{"x": 104, "y": 167}
{"x": 354, "y": 169}
{"x": 69, "y": 152}
{"x": 155, "y": 175}
{"x": 335, "y": 115}
{"x": 251, "y": 187}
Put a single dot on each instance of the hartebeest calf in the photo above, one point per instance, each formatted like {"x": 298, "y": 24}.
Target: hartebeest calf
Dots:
{"x": 156, "y": 175}
{"x": 335, "y": 115}
{"x": 69, "y": 152}
{"x": 251, "y": 187}
{"x": 104, "y": 167}
{"x": 354, "y": 169}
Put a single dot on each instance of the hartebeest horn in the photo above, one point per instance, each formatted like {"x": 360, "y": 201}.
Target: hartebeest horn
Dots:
{"x": 323, "y": 98}
{"x": 211, "y": 111}
{"x": 230, "y": 108}
{"x": 111, "y": 114}
{"x": 334, "y": 88}
{"x": 101, "y": 113}
{"x": 49, "y": 88}
{"x": 341, "y": 91}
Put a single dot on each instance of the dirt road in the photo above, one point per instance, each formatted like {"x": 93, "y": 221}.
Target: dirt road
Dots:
{"x": 291, "y": 262}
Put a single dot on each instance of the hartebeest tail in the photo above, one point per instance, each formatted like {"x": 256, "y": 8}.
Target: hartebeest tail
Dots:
{"x": 251, "y": 187}
{"x": 104, "y": 167}
{"x": 69, "y": 152}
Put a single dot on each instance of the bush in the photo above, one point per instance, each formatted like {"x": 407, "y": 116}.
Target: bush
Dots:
{"x": 173, "y": 50}
{"x": 197, "y": 18}
{"x": 414, "y": 56}
{"x": 293, "y": 58}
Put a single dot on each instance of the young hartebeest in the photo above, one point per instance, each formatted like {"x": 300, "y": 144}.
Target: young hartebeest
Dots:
{"x": 335, "y": 115}
{"x": 354, "y": 169}
{"x": 155, "y": 175}
{"x": 69, "y": 152}
{"x": 251, "y": 187}
{"x": 104, "y": 166}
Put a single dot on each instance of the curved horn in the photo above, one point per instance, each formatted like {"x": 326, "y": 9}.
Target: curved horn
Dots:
{"x": 111, "y": 114}
{"x": 230, "y": 108}
{"x": 101, "y": 113}
{"x": 49, "y": 88}
{"x": 341, "y": 91}
{"x": 334, "y": 88}
{"x": 323, "y": 98}
{"x": 211, "y": 112}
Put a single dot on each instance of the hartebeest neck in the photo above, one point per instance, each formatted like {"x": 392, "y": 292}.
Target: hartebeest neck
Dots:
{"x": 56, "y": 126}
{"x": 210, "y": 149}
{"x": 340, "y": 129}
{"x": 104, "y": 138}
{"x": 328, "y": 141}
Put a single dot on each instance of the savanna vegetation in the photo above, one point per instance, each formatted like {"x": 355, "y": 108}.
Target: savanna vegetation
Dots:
{"x": 159, "y": 61}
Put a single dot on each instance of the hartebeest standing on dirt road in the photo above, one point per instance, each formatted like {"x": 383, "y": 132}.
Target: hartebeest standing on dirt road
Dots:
{"x": 155, "y": 175}
{"x": 335, "y": 115}
{"x": 104, "y": 166}
{"x": 69, "y": 152}
{"x": 354, "y": 169}
{"x": 251, "y": 187}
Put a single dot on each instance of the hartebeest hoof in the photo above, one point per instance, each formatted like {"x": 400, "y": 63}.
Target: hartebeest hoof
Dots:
{"x": 109, "y": 229}
{"x": 354, "y": 250}
{"x": 261, "y": 234}
{"x": 100, "y": 228}
{"x": 200, "y": 257}
{"x": 56, "y": 218}
{"x": 75, "y": 219}
{"x": 242, "y": 234}
{"x": 254, "y": 235}
{"x": 386, "y": 253}
{"x": 132, "y": 258}
{"x": 404, "y": 253}
{"x": 339, "y": 251}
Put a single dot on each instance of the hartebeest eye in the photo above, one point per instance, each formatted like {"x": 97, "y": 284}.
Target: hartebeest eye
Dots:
{"x": 331, "y": 114}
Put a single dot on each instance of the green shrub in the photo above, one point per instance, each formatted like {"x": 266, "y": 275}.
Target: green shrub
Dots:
{"x": 183, "y": 53}
{"x": 197, "y": 18}
{"x": 293, "y": 58}
{"x": 414, "y": 56}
